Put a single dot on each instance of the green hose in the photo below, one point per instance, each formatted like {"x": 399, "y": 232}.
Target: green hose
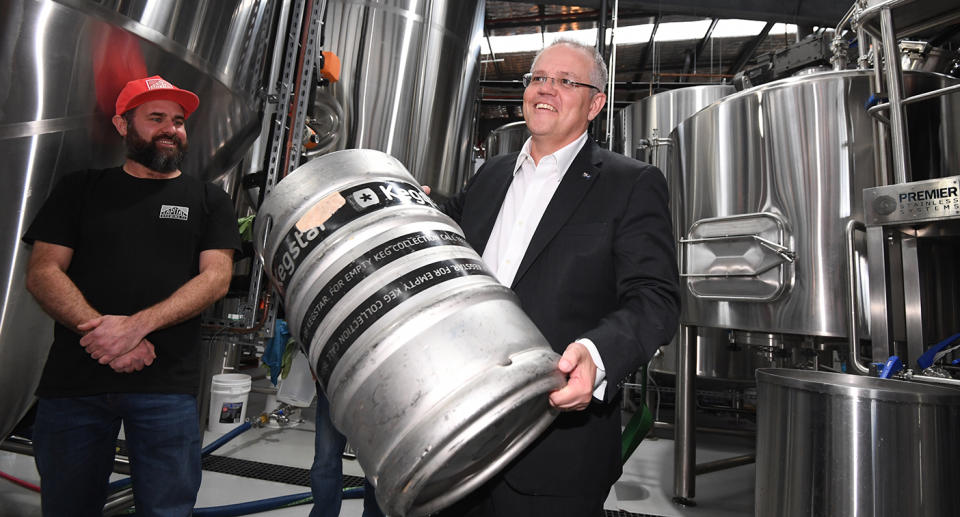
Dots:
{"x": 639, "y": 424}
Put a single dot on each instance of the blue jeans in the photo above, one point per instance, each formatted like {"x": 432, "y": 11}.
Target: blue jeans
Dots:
{"x": 326, "y": 473}
{"x": 74, "y": 442}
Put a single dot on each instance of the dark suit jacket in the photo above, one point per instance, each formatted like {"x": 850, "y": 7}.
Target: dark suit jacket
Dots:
{"x": 601, "y": 265}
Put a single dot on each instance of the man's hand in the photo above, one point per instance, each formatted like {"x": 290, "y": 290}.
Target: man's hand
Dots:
{"x": 108, "y": 337}
{"x": 135, "y": 360}
{"x": 581, "y": 372}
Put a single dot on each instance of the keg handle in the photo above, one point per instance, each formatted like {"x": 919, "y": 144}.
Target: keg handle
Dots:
{"x": 267, "y": 226}
{"x": 853, "y": 304}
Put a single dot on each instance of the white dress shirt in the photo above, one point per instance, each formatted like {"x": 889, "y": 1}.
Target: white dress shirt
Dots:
{"x": 527, "y": 198}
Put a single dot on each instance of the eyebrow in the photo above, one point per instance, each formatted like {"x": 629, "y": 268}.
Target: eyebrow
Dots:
{"x": 561, "y": 75}
{"x": 164, "y": 114}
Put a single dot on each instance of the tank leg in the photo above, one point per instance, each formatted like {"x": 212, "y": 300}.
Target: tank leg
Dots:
{"x": 685, "y": 443}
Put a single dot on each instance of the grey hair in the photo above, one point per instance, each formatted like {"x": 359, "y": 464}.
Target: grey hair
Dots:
{"x": 598, "y": 75}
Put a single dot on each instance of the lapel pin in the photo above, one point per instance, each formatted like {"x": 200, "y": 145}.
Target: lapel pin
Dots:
{"x": 587, "y": 175}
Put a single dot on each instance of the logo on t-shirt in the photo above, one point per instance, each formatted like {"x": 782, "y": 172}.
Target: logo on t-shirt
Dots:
{"x": 174, "y": 212}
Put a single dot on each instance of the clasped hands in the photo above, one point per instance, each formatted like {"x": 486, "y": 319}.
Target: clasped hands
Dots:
{"x": 117, "y": 341}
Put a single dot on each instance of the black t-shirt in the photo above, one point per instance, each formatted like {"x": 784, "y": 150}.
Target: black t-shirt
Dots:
{"x": 135, "y": 241}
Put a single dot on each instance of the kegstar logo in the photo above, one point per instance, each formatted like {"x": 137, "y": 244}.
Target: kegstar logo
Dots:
{"x": 363, "y": 198}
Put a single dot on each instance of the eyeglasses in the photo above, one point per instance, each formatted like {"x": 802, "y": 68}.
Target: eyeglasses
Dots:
{"x": 564, "y": 83}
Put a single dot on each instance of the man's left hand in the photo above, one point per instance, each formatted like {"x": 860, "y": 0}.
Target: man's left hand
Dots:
{"x": 108, "y": 337}
{"x": 581, "y": 372}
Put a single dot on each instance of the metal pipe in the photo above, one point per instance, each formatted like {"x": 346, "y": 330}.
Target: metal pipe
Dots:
{"x": 853, "y": 302}
{"x": 881, "y": 324}
{"x": 912, "y": 298}
{"x": 880, "y": 153}
{"x": 119, "y": 502}
{"x": 602, "y": 29}
{"x": 510, "y": 84}
{"x": 612, "y": 69}
{"x": 18, "y": 445}
{"x": 17, "y": 448}
{"x": 667, "y": 426}
{"x": 845, "y": 19}
{"x": 726, "y": 463}
{"x": 693, "y": 74}
{"x": 874, "y": 110}
{"x": 898, "y": 134}
{"x": 685, "y": 443}
{"x": 838, "y": 44}
{"x": 935, "y": 380}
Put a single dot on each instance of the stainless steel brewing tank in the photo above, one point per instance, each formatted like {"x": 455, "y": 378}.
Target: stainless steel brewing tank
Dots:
{"x": 841, "y": 445}
{"x": 63, "y": 64}
{"x": 408, "y": 82}
{"x": 508, "y": 138}
{"x": 766, "y": 181}
{"x": 649, "y": 121}
{"x": 433, "y": 371}
{"x": 643, "y": 133}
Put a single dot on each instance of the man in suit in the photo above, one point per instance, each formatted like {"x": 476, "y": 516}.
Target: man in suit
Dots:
{"x": 583, "y": 236}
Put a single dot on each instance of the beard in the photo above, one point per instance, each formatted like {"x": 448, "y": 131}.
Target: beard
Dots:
{"x": 150, "y": 155}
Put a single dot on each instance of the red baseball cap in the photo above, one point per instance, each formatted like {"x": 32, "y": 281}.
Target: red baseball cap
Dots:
{"x": 155, "y": 88}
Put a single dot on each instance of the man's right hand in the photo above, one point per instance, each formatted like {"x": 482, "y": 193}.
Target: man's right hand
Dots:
{"x": 135, "y": 360}
{"x": 110, "y": 336}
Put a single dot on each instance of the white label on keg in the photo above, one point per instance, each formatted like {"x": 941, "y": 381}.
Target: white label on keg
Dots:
{"x": 361, "y": 200}
{"x": 386, "y": 299}
{"x": 364, "y": 266}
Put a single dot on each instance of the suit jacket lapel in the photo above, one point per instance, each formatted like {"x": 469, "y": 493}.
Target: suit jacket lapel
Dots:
{"x": 574, "y": 185}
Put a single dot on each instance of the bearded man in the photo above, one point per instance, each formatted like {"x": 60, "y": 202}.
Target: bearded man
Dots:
{"x": 124, "y": 260}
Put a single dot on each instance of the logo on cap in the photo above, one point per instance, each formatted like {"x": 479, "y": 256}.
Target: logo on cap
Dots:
{"x": 155, "y": 84}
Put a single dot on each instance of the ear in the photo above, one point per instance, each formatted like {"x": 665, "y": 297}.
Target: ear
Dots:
{"x": 121, "y": 124}
{"x": 596, "y": 104}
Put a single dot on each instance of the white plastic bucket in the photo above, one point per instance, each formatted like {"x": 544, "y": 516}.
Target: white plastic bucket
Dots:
{"x": 228, "y": 401}
{"x": 298, "y": 387}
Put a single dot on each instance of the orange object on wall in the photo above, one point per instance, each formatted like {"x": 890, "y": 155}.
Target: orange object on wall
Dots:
{"x": 331, "y": 67}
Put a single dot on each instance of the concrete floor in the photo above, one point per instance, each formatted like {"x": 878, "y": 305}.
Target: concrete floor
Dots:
{"x": 645, "y": 488}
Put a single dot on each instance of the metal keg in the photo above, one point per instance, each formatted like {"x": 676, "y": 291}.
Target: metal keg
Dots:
{"x": 832, "y": 444}
{"x": 433, "y": 371}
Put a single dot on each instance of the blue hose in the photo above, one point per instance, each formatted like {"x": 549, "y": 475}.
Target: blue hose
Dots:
{"x": 216, "y": 444}
{"x": 249, "y": 507}
{"x": 119, "y": 484}
{"x": 252, "y": 506}
{"x": 263, "y": 505}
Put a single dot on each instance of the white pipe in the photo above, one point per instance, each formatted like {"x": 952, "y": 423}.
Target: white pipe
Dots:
{"x": 611, "y": 69}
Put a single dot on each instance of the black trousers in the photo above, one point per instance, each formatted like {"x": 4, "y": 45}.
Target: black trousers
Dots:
{"x": 498, "y": 499}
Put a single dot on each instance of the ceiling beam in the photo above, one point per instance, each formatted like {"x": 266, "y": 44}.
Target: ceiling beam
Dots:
{"x": 806, "y": 12}
{"x": 749, "y": 49}
{"x": 705, "y": 39}
{"x": 556, "y": 19}
{"x": 649, "y": 48}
